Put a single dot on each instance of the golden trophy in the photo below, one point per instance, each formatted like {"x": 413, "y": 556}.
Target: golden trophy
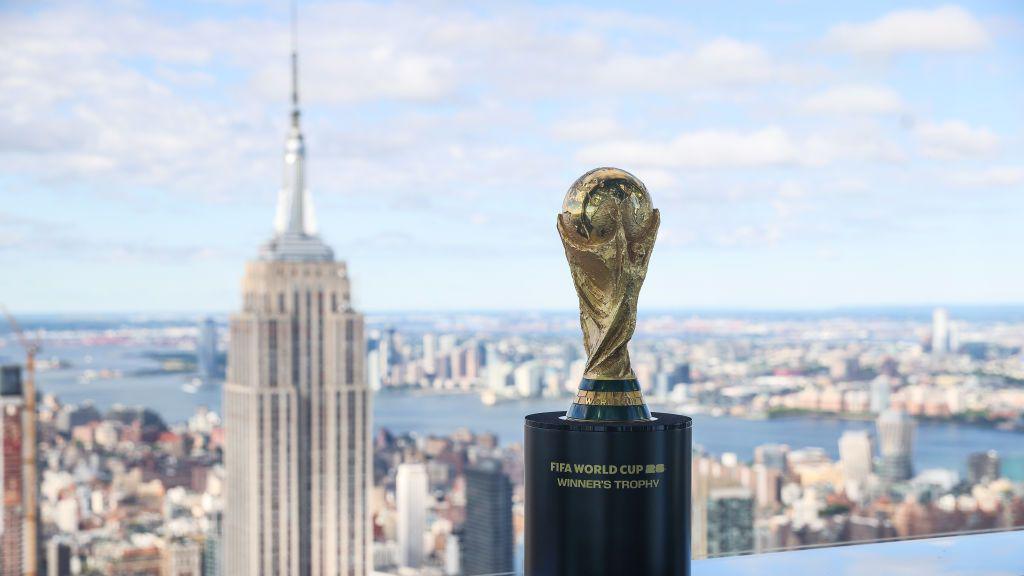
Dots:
{"x": 608, "y": 228}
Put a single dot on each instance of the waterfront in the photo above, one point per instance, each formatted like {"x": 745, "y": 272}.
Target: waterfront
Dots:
{"x": 938, "y": 444}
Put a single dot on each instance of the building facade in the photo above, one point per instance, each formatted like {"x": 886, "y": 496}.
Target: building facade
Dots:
{"x": 983, "y": 467}
{"x": 206, "y": 352}
{"x": 58, "y": 557}
{"x": 487, "y": 533}
{"x": 896, "y": 442}
{"x": 856, "y": 454}
{"x": 730, "y": 521}
{"x": 411, "y": 492}
{"x": 941, "y": 333}
{"x": 297, "y": 408}
{"x": 213, "y": 545}
{"x": 183, "y": 558}
{"x": 12, "y": 516}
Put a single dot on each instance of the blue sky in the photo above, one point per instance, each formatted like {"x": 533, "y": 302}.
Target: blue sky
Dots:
{"x": 803, "y": 155}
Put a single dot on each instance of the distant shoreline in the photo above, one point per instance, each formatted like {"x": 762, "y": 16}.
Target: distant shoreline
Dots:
{"x": 979, "y": 422}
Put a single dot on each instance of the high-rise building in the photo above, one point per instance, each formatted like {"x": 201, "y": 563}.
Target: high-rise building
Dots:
{"x": 12, "y": 514}
{"x": 411, "y": 491}
{"x": 856, "y": 453}
{"x": 881, "y": 391}
{"x": 213, "y": 545}
{"x": 767, "y": 485}
{"x": 983, "y": 467}
{"x": 297, "y": 408}
{"x": 182, "y": 557}
{"x": 452, "y": 555}
{"x": 896, "y": 442}
{"x": 58, "y": 557}
{"x": 730, "y": 521}
{"x": 487, "y": 533}
{"x": 773, "y": 456}
{"x": 529, "y": 379}
{"x": 498, "y": 374}
{"x": 430, "y": 353}
{"x": 206, "y": 352}
{"x": 941, "y": 341}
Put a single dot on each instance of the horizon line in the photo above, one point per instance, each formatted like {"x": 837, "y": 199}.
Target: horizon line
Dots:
{"x": 544, "y": 310}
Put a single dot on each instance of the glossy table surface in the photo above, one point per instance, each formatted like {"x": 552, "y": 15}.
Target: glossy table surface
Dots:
{"x": 990, "y": 554}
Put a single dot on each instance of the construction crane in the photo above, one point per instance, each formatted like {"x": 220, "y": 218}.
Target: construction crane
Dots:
{"x": 28, "y": 464}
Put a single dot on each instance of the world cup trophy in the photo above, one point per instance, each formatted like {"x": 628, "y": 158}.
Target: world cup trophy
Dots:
{"x": 608, "y": 228}
{"x": 608, "y": 481}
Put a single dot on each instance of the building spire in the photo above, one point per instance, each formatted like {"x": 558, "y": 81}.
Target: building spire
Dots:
{"x": 295, "y": 235}
{"x": 295, "y": 66}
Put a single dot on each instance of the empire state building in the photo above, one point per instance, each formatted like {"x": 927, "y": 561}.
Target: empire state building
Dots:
{"x": 296, "y": 403}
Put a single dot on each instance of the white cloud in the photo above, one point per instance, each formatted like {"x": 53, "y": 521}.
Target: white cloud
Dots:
{"x": 943, "y": 29}
{"x": 770, "y": 146}
{"x": 656, "y": 179}
{"x": 790, "y": 189}
{"x": 998, "y": 176}
{"x": 722, "y": 62}
{"x": 124, "y": 98}
{"x": 855, "y": 99}
{"x": 586, "y": 129}
{"x": 954, "y": 139}
{"x": 704, "y": 149}
{"x": 750, "y": 236}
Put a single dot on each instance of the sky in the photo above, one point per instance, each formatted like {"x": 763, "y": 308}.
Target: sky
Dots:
{"x": 802, "y": 154}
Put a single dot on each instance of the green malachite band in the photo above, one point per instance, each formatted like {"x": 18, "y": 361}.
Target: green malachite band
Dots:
{"x": 610, "y": 385}
{"x": 588, "y": 409}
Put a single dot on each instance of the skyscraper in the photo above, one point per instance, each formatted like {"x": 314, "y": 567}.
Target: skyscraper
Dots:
{"x": 773, "y": 456}
{"x": 206, "y": 352}
{"x": 941, "y": 337}
{"x": 487, "y": 541}
{"x": 430, "y": 353}
{"x": 58, "y": 557}
{"x": 856, "y": 452}
{"x": 983, "y": 467}
{"x": 730, "y": 523}
{"x": 296, "y": 404}
{"x": 213, "y": 545}
{"x": 12, "y": 514}
{"x": 182, "y": 557}
{"x": 411, "y": 488}
{"x": 896, "y": 440}
{"x": 881, "y": 390}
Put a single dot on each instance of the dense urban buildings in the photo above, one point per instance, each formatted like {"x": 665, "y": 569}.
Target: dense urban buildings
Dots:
{"x": 297, "y": 407}
{"x": 789, "y": 450}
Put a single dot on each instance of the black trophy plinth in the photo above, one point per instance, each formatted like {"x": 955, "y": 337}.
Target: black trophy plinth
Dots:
{"x": 607, "y": 498}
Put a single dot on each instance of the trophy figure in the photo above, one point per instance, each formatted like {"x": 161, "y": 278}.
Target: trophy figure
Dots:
{"x": 608, "y": 481}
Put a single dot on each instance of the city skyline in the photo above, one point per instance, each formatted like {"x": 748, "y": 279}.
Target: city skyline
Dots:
{"x": 798, "y": 444}
{"x": 804, "y": 157}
